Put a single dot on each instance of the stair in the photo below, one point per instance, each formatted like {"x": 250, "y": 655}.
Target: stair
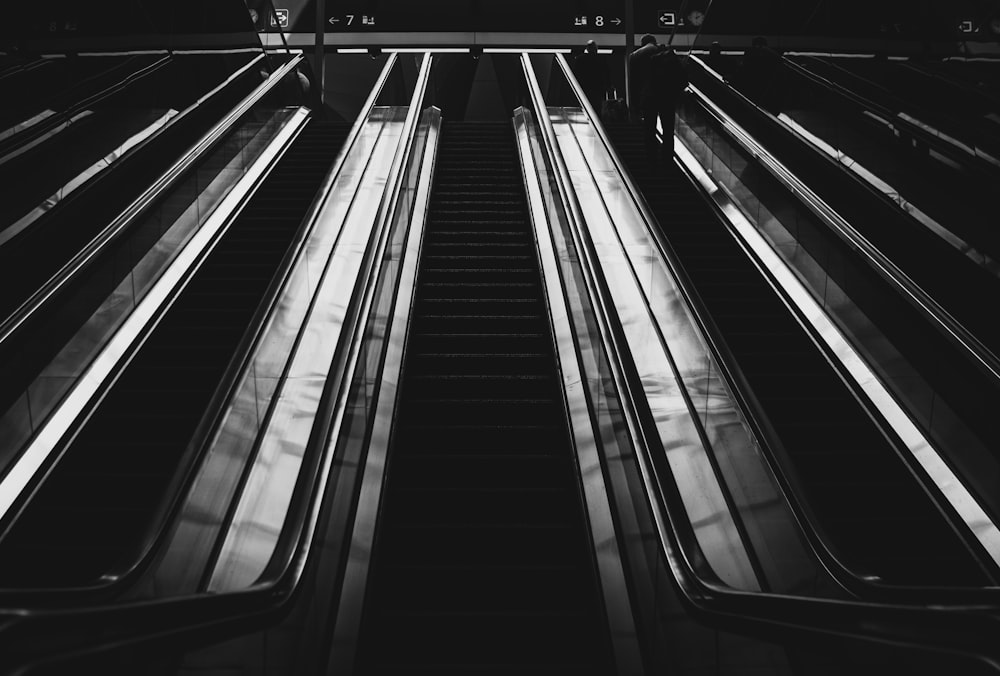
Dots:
{"x": 482, "y": 561}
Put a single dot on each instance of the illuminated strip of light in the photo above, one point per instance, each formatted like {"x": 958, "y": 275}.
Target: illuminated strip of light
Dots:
{"x": 434, "y": 50}
{"x": 527, "y": 50}
{"x": 42, "y": 138}
{"x": 352, "y": 50}
{"x": 235, "y": 50}
{"x": 835, "y": 55}
{"x": 924, "y": 219}
{"x": 131, "y": 52}
{"x": 946, "y": 481}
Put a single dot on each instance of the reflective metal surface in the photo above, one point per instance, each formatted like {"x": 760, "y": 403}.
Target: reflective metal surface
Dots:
{"x": 349, "y": 610}
{"x": 88, "y": 380}
{"x": 158, "y": 225}
{"x": 65, "y": 190}
{"x": 898, "y": 393}
{"x": 670, "y": 364}
{"x": 581, "y": 417}
{"x": 192, "y": 544}
{"x": 324, "y": 342}
{"x": 257, "y": 521}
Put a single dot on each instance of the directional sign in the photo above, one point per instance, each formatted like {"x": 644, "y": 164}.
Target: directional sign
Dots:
{"x": 616, "y": 21}
{"x": 282, "y": 18}
{"x": 666, "y": 19}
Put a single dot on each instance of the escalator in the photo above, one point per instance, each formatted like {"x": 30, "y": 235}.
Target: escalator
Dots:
{"x": 860, "y": 493}
{"x": 482, "y": 561}
{"x": 76, "y": 182}
{"x": 927, "y": 216}
{"x": 125, "y": 465}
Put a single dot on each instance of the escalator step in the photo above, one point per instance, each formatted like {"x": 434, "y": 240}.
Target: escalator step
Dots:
{"x": 482, "y": 562}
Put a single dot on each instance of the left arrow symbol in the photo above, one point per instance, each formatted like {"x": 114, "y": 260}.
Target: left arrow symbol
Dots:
{"x": 334, "y": 20}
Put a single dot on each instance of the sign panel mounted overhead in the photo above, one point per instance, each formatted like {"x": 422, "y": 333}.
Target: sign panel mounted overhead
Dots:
{"x": 407, "y": 16}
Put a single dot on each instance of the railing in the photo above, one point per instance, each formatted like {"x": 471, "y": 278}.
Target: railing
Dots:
{"x": 924, "y": 421}
{"x": 951, "y": 136}
{"x": 162, "y": 136}
{"x": 254, "y": 600}
{"x": 27, "y": 135}
{"x": 778, "y": 616}
{"x": 62, "y": 370}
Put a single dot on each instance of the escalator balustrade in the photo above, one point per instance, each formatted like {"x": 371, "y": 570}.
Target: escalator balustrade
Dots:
{"x": 874, "y": 514}
{"x": 89, "y": 516}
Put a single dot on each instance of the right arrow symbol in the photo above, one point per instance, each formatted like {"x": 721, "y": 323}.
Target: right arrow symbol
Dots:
{"x": 616, "y": 21}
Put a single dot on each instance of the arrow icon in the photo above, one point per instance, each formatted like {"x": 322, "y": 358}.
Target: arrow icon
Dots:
{"x": 334, "y": 20}
{"x": 616, "y": 21}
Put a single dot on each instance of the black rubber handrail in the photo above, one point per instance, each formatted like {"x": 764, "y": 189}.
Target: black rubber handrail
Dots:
{"x": 113, "y": 583}
{"x": 969, "y": 347}
{"x": 858, "y": 585}
{"x": 918, "y": 626}
{"x": 31, "y": 636}
{"x": 19, "y": 140}
{"x": 11, "y": 325}
{"x": 889, "y": 108}
{"x": 922, "y": 301}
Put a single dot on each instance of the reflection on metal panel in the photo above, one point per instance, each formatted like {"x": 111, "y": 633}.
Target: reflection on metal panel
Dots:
{"x": 260, "y": 515}
{"x": 117, "y": 338}
{"x": 921, "y": 449}
{"x": 26, "y": 220}
{"x": 661, "y": 337}
{"x": 586, "y": 434}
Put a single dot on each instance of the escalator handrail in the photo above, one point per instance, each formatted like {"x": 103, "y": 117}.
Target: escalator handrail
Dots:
{"x": 860, "y": 586}
{"x": 110, "y": 584}
{"x": 116, "y": 167}
{"x": 21, "y": 317}
{"x": 724, "y": 359}
{"x": 913, "y": 626}
{"x": 35, "y": 456}
{"x": 882, "y": 264}
{"x": 24, "y": 67}
{"x": 989, "y": 99}
{"x": 86, "y": 630}
{"x": 963, "y": 503}
{"x": 895, "y": 114}
{"x": 12, "y": 148}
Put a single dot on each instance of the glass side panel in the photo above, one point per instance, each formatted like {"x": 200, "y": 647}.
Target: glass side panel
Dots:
{"x": 45, "y": 359}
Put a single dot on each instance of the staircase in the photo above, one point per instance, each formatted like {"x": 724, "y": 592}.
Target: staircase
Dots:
{"x": 482, "y": 561}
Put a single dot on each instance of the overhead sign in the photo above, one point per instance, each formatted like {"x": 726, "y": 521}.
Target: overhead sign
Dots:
{"x": 665, "y": 19}
{"x": 282, "y": 15}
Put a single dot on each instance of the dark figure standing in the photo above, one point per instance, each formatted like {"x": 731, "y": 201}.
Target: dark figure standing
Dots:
{"x": 760, "y": 75}
{"x": 658, "y": 79}
{"x": 592, "y": 74}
